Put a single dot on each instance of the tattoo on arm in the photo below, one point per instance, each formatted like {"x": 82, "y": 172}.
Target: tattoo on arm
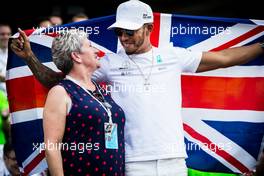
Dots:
{"x": 44, "y": 74}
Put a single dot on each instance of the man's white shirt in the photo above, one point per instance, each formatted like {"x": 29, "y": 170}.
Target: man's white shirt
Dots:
{"x": 153, "y": 128}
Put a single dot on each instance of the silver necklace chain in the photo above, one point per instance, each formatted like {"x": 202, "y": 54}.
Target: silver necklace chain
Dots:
{"x": 146, "y": 79}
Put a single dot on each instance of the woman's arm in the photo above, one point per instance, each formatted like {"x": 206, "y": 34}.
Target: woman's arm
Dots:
{"x": 54, "y": 120}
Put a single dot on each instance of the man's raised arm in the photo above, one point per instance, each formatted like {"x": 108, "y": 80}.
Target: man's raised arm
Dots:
{"x": 229, "y": 57}
{"x": 46, "y": 76}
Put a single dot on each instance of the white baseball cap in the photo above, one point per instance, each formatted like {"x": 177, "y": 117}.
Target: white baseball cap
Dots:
{"x": 132, "y": 15}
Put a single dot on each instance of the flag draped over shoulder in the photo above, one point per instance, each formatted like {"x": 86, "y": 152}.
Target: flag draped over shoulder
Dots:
{"x": 222, "y": 109}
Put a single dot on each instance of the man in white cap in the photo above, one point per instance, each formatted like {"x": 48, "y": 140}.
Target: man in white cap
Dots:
{"x": 146, "y": 83}
{"x": 154, "y": 130}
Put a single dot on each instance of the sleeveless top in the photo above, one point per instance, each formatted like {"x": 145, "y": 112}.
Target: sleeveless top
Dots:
{"x": 83, "y": 145}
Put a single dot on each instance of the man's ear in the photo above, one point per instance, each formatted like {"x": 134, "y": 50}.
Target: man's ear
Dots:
{"x": 150, "y": 27}
{"x": 76, "y": 57}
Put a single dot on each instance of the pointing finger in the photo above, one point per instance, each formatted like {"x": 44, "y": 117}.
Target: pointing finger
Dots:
{"x": 23, "y": 34}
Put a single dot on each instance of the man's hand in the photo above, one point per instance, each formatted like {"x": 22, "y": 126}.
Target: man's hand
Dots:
{"x": 21, "y": 45}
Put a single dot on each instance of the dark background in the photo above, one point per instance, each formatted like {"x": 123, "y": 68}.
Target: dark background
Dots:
{"x": 27, "y": 14}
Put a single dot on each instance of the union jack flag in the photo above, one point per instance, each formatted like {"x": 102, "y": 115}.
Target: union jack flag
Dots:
{"x": 222, "y": 109}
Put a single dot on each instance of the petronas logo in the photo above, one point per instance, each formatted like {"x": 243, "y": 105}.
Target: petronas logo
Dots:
{"x": 158, "y": 58}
